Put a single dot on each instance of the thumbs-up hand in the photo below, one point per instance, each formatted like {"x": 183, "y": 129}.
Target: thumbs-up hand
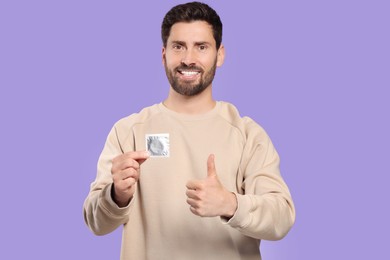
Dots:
{"x": 208, "y": 197}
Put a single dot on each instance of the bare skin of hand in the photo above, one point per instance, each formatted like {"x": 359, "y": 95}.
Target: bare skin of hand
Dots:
{"x": 125, "y": 173}
{"x": 208, "y": 197}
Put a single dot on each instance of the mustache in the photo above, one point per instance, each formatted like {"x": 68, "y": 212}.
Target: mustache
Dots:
{"x": 186, "y": 67}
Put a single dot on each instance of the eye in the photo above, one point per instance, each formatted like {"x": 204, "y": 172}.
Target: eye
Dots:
{"x": 202, "y": 47}
{"x": 177, "y": 47}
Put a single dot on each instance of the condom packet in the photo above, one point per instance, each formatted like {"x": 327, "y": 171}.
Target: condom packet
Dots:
{"x": 157, "y": 145}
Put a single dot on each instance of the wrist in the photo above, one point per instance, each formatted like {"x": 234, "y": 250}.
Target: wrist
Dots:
{"x": 231, "y": 205}
{"x": 119, "y": 202}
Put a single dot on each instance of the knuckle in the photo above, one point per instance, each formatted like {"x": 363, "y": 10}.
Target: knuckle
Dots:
{"x": 201, "y": 194}
{"x": 133, "y": 172}
{"x": 131, "y": 163}
{"x": 131, "y": 181}
{"x": 202, "y": 186}
{"x": 200, "y": 212}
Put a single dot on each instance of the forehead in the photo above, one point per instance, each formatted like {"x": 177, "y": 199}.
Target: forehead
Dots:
{"x": 196, "y": 31}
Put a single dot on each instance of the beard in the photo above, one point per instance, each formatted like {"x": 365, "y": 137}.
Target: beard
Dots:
{"x": 190, "y": 88}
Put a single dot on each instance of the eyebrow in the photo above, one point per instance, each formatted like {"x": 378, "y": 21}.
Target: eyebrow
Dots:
{"x": 202, "y": 43}
{"x": 196, "y": 43}
{"x": 179, "y": 42}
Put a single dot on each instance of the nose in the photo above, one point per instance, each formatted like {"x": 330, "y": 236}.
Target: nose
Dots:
{"x": 189, "y": 58}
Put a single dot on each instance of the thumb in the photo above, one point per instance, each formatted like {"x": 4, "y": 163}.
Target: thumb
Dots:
{"x": 211, "y": 171}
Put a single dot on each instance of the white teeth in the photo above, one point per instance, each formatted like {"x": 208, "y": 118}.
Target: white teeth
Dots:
{"x": 189, "y": 73}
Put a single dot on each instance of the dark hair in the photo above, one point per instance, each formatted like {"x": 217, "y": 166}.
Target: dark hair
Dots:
{"x": 189, "y": 12}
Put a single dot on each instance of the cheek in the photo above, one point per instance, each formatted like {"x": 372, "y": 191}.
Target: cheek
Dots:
{"x": 171, "y": 61}
{"x": 169, "y": 65}
{"x": 208, "y": 61}
{"x": 208, "y": 64}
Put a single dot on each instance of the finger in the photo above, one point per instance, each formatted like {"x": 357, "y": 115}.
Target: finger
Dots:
{"x": 122, "y": 163}
{"x": 194, "y": 211}
{"x": 193, "y": 204}
{"x": 130, "y": 159}
{"x": 194, "y": 185}
{"x": 211, "y": 171}
{"x": 192, "y": 194}
{"x": 125, "y": 174}
{"x": 129, "y": 182}
{"x": 125, "y": 185}
{"x": 139, "y": 156}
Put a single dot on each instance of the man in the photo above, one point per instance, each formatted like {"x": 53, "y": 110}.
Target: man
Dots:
{"x": 189, "y": 178}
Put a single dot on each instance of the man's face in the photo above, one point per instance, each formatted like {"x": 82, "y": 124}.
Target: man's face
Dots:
{"x": 191, "y": 58}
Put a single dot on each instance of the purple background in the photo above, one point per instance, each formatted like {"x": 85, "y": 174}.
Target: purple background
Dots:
{"x": 314, "y": 74}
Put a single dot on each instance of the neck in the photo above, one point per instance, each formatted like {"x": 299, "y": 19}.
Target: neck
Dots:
{"x": 199, "y": 104}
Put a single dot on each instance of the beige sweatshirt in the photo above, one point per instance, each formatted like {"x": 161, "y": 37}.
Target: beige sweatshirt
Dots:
{"x": 158, "y": 224}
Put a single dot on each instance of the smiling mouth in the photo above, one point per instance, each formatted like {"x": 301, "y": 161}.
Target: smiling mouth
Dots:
{"x": 188, "y": 73}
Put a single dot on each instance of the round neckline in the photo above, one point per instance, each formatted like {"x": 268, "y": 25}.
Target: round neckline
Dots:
{"x": 190, "y": 117}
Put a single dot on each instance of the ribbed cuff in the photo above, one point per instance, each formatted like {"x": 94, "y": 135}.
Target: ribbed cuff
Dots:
{"x": 109, "y": 204}
{"x": 241, "y": 217}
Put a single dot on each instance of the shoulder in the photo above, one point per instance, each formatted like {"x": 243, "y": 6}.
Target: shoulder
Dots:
{"x": 248, "y": 127}
{"x": 124, "y": 125}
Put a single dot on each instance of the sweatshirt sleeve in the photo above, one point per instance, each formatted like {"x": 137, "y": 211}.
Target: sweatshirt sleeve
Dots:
{"x": 101, "y": 213}
{"x": 265, "y": 207}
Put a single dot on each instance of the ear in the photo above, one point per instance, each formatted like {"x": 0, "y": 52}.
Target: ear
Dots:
{"x": 221, "y": 55}
{"x": 163, "y": 55}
